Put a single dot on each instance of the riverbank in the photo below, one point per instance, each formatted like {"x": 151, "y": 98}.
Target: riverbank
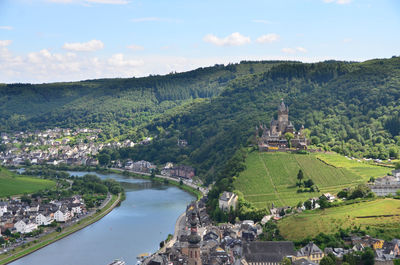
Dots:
{"x": 22, "y": 251}
{"x": 185, "y": 185}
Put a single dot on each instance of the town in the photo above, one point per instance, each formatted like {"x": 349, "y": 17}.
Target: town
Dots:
{"x": 197, "y": 241}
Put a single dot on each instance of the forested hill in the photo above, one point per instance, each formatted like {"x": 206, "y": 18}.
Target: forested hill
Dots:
{"x": 351, "y": 108}
{"x": 115, "y": 105}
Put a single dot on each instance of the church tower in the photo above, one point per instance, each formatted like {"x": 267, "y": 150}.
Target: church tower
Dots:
{"x": 283, "y": 117}
{"x": 194, "y": 242}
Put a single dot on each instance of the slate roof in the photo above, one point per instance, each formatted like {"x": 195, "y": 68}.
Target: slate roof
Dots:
{"x": 308, "y": 250}
{"x": 267, "y": 251}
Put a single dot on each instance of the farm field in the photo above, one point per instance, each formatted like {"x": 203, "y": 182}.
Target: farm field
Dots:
{"x": 271, "y": 177}
{"x": 13, "y": 184}
{"x": 360, "y": 168}
{"x": 330, "y": 220}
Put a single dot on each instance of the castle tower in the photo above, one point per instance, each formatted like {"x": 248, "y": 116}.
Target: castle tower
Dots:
{"x": 283, "y": 117}
{"x": 194, "y": 242}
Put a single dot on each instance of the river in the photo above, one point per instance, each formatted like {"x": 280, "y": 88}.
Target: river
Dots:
{"x": 142, "y": 221}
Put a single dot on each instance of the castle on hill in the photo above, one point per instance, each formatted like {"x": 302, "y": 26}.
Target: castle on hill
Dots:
{"x": 274, "y": 138}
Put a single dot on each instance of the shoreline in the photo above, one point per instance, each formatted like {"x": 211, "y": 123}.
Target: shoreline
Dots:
{"x": 198, "y": 193}
{"x": 115, "y": 200}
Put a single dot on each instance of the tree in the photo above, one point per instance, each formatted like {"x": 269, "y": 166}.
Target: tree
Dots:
{"x": 397, "y": 166}
{"x": 286, "y": 261}
{"x": 289, "y": 136}
{"x": 368, "y": 257}
{"x": 153, "y": 174}
{"x": 327, "y": 260}
{"x": 104, "y": 159}
{"x": 308, "y": 205}
{"x": 300, "y": 175}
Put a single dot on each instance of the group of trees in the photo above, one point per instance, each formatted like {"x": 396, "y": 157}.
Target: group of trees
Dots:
{"x": 307, "y": 184}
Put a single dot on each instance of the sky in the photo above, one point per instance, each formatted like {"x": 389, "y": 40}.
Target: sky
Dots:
{"x": 70, "y": 40}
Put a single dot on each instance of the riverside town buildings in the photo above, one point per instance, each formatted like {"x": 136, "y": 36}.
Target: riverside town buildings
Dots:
{"x": 387, "y": 185}
{"x": 274, "y": 138}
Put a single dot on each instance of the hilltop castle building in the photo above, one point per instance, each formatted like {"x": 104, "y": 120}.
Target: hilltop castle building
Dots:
{"x": 274, "y": 138}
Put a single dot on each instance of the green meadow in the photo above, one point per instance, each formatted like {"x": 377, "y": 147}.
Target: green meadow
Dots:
{"x": 271, "y": 177}
{"x": 13, "y": 184}
{"x": 379, "y": 218}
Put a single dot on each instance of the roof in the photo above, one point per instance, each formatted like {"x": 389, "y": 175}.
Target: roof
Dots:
{"x": 303, "y": 262}
{"x": 308, "y": 250}
{"x": 226, "y": 195}
{"x": 267, "y": 251}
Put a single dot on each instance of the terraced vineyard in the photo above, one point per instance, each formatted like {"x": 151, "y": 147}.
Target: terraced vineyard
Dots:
{"x": 380, "y": 218}
{"x": 271, "y": 177}
{"x": 12, "y": 184}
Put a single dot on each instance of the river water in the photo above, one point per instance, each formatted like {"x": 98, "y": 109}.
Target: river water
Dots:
{"x": 142, "y": 221}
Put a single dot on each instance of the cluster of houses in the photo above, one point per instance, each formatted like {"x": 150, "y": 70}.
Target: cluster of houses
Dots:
{"x": 387, "y": 185}
{"x": 23, "y": 217}
{"x": 54, "y": 146}
{"x": 169, "y": 170}
{"x": 199, "y": 242}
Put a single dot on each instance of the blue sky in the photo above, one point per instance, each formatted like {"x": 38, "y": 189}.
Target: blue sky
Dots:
{"x": 66, "y": 40}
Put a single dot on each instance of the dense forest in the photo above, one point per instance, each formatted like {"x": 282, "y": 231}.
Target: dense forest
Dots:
{"x": 351, "y": 108}
{"x": 115, "y": 105}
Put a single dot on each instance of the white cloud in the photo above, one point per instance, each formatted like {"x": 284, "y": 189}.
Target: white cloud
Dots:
{"x": 340, "y": 2}
{"x": 262, "y": 21}
{"x": 235, "y": 39}
{"x": 89, "y": 46}
{"x": 6, "y": 27}
{"x": 111, "y": 2}
{"x": 119, "y": 60}
{"x": 301, "y": 49}
{"x": 289, "y": 50}
{"x": 135, "y": 47}
{"x": 347, "y": 40}
{"x": 5, "y": 43}
{"x": 294, "y": 50}
{"x": 268, "y": 38}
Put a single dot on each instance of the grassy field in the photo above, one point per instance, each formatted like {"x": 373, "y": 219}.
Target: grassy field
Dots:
{"x": 271, "y": 177}
{"x": 359, "y": 168}
{"x": 13, "y": 184}
{"x": 310, "y": 223}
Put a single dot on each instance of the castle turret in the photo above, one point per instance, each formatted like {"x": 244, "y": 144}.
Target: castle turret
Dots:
{"x": 283, "y": 117}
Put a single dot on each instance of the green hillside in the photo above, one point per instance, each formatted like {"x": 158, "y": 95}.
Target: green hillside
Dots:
{"x": 13, "y": 184}
{"x": 350, "y": 108}
{"x": 379, "y": 218}
{"x": 271, "y": 177}
{"x": 115, "y": 105}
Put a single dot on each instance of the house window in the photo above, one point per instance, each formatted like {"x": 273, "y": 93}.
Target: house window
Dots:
{"x": 191, "y": 254}
{"x": 195, "y": 254}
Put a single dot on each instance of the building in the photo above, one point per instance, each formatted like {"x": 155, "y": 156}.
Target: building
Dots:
{"x": 274, "y": 139}
{"x": 267, "y": 252}
{"x": 181, "y": 171}
{"x": 25, "y": 227}
{"x": 228, "y": 200}
{"x": 194, "y": 255}
{"x": 386, "y": 185}
{"x": 62, "y": 215}
{"x": 44, "y": 220}
{"x": 310, "y": 252}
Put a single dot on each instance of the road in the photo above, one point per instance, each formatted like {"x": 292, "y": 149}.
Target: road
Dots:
{"x": 203, "y": 190}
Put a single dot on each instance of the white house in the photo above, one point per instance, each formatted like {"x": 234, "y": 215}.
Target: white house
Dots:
{"x": 25, "y": 227}
{"x": 62, "y": 215}
{"x": 228, "y": 200}
{"x": 3, "y": 208}
{"x": 44, "y": 220}
{"x": 76, "y": 208}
